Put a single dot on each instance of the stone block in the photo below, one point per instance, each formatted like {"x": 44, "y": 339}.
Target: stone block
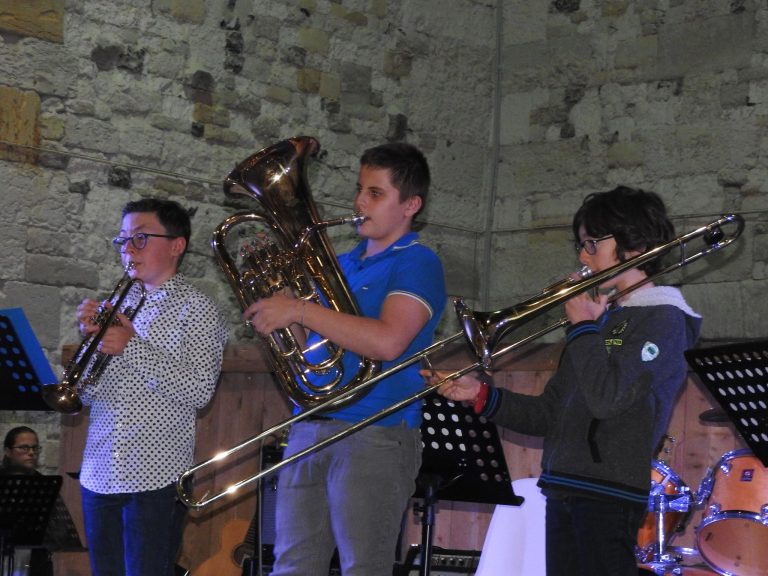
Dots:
{"x": 356, "y": 18}
{"x": 214, "y": 133}
{"x": 330, "y": 86}
{"x": 625, "y": 155}
{"x": 91, "y": 134}
{"x": 19, "y": 124}
{"x": 52, "y": 127}
{"x": 207, "y": 114}
{"x": 278, "y": 94}
{"x": 689, "y": 47}
{"x": 14, "y": 243}
{"x": 188, "y": 11}
{"x": 308, "y": 80}
{"x": 57, "y": 271}
{"x": 398, "y": 63}
{"x": 314, "y": 40}
{"x": 42, "y": 19}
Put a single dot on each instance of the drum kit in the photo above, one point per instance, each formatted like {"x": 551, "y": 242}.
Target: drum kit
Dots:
{"x": 732, "y": 538}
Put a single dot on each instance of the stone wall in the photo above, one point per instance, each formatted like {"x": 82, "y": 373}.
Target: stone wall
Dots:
{"x": 665, "y": 95}
{"x": 522, "y": 107}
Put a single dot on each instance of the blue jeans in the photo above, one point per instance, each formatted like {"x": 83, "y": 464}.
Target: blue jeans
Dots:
{"x": 350, "y": 495}
{"x": 134, "y": 534}
{"x": 590, "y": 537}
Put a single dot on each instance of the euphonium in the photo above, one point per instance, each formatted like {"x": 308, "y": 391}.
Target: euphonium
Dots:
{"x": 291, "y": 252}
{"x": 88, "y": 363}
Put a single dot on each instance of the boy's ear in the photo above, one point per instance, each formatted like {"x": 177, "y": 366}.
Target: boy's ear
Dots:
{"x": 178, "y": 245}
{"x": 414, "y": 204}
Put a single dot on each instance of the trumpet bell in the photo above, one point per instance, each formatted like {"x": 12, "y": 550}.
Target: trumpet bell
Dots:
{"x": 62, "y": 398}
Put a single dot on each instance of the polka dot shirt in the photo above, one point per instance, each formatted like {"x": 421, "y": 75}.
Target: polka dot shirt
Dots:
{"x": 141, "y": 432}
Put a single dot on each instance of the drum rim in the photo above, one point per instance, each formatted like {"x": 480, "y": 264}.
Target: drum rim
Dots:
{"x": 724, "y": 515}
{"x": 731, "y": 454}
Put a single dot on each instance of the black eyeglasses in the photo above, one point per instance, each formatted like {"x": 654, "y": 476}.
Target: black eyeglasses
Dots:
{"x": 138, "y": 240}
{"x": 28, "y": 448}
{"x": 590, "y": 245}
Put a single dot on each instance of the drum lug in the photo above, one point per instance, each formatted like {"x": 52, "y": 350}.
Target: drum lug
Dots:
{"x": 714, "y": 508}
{"x": 764, "y": 514}
{"x": 726, "y": 467}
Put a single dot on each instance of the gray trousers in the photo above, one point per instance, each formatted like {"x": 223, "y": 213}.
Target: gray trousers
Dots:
{"x": 350, "y": 495}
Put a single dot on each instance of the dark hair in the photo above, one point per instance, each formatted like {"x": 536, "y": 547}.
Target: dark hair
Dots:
{"x": 408, "y": 168}
{"x": 171, "y": 215}
{"x": 10, "y": 438}
{"x": 636, "y": 218}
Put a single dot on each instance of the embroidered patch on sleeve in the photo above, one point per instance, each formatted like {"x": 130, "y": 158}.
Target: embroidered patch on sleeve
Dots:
{"x": 650, "y": 352}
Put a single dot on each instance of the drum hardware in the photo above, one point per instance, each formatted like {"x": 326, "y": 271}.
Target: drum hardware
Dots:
{"x": 732, "y": 538}
{"x": 661, "y": 504}
{"x": 714, "y": 416}
{"x": 670, "y": 504}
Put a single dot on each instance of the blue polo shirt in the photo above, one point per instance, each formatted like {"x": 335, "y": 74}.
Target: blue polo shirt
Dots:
{"x": 406, "y": 267}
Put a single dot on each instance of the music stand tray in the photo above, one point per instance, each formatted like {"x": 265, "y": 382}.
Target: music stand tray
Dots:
{"x": 462, "y": 460}
{"x": 737, "y": 377}
{"x": 26, "y": 502}
{"x": 465, "y": 451}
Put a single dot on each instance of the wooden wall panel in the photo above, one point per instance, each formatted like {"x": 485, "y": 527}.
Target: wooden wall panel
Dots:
{"x": 248, "y": 401}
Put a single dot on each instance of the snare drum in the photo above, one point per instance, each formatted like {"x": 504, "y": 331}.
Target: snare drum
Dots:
{"x": 733, "y": 537}
{"x": 674, "y": 522}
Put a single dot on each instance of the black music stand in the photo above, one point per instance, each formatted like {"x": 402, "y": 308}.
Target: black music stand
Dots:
{"x": 26, "y": 502}
{"x": 737, "y": 377}
{"x": 62, "y": 535}
{"x": 23, "y": 365}
{"x": 462, "y": 461}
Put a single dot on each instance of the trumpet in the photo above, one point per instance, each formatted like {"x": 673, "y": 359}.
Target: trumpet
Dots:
{"x": 88, "y": 363}
{"x": 483, "y": 331}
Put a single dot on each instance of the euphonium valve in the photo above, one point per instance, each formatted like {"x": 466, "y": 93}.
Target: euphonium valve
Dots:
{"x": 88, "y": 363}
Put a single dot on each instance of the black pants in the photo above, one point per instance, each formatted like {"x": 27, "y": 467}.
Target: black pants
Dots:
{"x": 590, "y": 537}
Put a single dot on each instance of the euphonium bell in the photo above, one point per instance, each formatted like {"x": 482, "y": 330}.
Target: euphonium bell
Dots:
{"x": 88, "y": 363}
{"x": 291, "y": 252}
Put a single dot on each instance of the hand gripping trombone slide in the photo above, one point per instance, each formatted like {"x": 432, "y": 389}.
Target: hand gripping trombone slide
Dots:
{"x": 484, "y": 331}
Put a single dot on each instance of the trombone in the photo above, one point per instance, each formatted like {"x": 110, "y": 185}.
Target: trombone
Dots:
{"x": 483, "y": 332}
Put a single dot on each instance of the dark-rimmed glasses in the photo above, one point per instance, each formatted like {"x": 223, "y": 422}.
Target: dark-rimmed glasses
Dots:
{"x": 138, "y": 240}
{"x": 590, "y": 245}
{"x": 28, "y": 448}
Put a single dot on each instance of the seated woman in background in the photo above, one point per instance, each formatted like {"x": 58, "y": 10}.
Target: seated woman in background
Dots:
{"x": 21, "y": 449}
